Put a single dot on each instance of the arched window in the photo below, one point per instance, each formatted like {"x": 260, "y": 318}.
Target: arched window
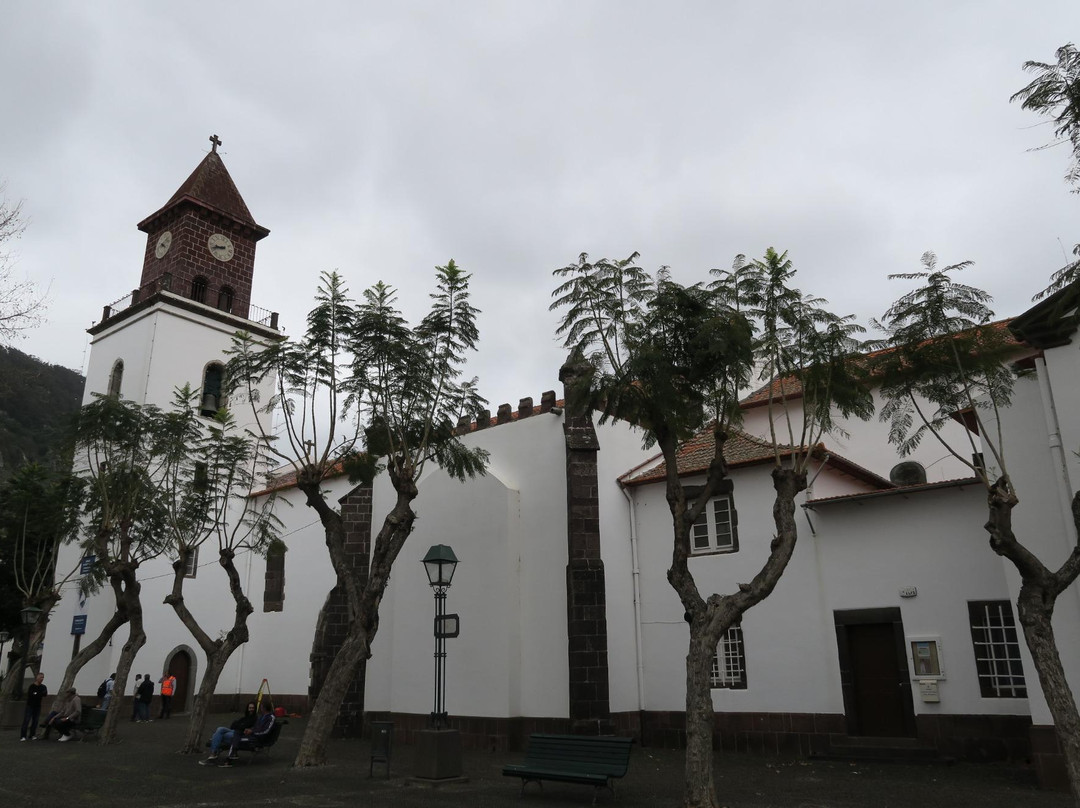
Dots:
{"x": 212, "y": 398}
{"x": 198, "y": 289}
{"x": 225, "y": 298}
{"x": 116, "y": 378}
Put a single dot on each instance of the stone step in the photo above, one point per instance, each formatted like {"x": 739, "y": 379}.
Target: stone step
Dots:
{"x": 881, "y": 750}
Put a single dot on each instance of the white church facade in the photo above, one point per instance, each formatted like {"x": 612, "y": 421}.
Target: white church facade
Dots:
{"x": 893, "y": 620}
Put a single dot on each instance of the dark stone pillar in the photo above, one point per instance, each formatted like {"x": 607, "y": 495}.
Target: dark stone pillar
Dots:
{"x": 334, "y": 618}
{"x": 586, "y": 598}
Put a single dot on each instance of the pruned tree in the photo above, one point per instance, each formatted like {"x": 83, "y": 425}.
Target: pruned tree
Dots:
{"x": 208, "y": 471}
{"x": 38, "y": 514}
{"x": 398, "y": 390}
{"x": 1055, "y": 93}
{"x": 944, "y": 349}
{"x": 672, "y": 360}
{"x": 21, "y": 305}
{"x": 124, "y": 523}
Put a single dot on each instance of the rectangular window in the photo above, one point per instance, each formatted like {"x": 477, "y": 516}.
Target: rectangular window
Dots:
{"x": 716, "y": 531}
{"x": 729, "y": 663}
{"x": 191, "y": 565}
{"x": 274, "y": 581}
{"x": 997, "y": 650}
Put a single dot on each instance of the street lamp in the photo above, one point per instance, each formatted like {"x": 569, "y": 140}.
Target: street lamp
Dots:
{"x": 29, "y": 616}
{"x": 439, "y": 564}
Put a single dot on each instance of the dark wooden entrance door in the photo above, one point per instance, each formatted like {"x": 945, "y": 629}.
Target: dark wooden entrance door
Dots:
{"x": 873, "y": 668}
{"x": 180, "y": 665}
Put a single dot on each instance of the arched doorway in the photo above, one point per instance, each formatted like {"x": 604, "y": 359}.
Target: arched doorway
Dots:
{"x": 180, "y": 662}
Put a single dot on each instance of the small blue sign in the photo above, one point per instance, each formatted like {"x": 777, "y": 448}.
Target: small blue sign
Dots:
{"x": 87, "y": 564}
{"x": 78, "y": 624}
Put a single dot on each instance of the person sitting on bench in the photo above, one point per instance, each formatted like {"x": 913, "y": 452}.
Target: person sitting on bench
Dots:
{"x": 65, "y": 716}
{"x": 223, "y": 736}
{"x": 251, "y": 737}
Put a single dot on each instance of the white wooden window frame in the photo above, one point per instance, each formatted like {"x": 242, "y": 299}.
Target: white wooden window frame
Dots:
{"x": 716, "y": 530}
{"x": 728, "y": 670}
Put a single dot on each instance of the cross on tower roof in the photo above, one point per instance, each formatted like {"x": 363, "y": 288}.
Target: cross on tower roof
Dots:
{"x": 216, "y": 141}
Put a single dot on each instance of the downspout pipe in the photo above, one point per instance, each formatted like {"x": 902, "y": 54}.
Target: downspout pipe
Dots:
{"x": 1057, "y": 450}
{"x": 636, "y": 577}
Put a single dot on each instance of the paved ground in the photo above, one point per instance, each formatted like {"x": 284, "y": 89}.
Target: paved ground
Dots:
{"x": 144, "y": 771}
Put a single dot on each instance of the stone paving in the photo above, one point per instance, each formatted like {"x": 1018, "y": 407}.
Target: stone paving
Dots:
{"x": 143, "y": 770}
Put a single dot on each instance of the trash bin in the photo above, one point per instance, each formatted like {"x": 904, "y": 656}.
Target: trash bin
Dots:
{"x": 382, "y": 744}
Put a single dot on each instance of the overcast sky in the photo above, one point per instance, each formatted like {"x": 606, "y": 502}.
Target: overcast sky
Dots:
{"x": 382, "y": 139}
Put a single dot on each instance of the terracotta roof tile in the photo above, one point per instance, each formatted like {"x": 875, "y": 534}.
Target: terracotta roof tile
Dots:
{"x": 741, "y": 449}
{"x": 211, "y": 186}
{"x": 789, "y": 387}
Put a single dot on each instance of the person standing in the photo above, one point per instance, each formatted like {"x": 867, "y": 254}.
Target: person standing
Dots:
{"x": 34, "y": 694}
{"x": 168, "y": 687}
{"x": 144, "y": 694}
{"x": 109, "y": 684}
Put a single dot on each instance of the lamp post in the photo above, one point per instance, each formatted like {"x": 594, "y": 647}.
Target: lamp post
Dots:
{"x": 438, "y": 750}
{"x": 440, "y": 563}
{"x": 29, "y": 618}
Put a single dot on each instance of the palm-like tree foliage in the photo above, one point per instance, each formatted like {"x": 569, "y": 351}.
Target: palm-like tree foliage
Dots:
{"x": 363, "y": 390}
{"x": 1055, "y": 94}
{"x": 942, "y": 356}
{"x": 671, "y": 359}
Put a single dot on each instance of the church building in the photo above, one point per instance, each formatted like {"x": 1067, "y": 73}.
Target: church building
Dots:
{"x": 894, "y": 620}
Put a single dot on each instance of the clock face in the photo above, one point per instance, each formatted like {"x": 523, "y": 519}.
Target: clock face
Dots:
{"x": 163, "y": 243}
{"x": 221, "y": 247}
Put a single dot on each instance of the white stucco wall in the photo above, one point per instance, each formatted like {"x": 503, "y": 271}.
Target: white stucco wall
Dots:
{"x": 857, "y": 556}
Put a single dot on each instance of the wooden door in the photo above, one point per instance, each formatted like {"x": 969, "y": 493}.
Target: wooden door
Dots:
{"x": 180, "y": 665}
{"x": 874, "y": 676}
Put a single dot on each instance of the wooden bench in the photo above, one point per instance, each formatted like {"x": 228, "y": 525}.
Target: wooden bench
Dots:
{"x": 586, "y": 759}
{"x": 250, "y": 743}
{"x": 90, "y": 721}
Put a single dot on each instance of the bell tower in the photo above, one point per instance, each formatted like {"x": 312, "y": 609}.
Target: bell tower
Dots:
{"x": 194, "y": 294}
{"x": 201, "y": 243}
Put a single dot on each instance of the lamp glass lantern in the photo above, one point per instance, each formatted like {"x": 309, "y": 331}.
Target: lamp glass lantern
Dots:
{"x": 30, "y": 615}
{"x": 439, "y": 564}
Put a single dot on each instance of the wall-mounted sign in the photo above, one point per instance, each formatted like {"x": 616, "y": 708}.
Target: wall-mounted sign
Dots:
{"x": 908, "y": 591}
{"x": 78, "y": 624}
{"x": 87, "y": 563}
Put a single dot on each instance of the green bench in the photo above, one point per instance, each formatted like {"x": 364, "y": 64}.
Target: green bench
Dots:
{"x": 90, "y": 721}
{"x": 586, "y": 759}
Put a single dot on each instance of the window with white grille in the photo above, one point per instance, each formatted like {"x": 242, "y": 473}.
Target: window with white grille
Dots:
{"x": 729, "y": 663}
{"x": 716, "y": 531}
{"x": 997, "y": 650}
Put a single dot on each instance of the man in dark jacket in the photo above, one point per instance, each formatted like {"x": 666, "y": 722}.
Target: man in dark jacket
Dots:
{"x": 34, "y": 694}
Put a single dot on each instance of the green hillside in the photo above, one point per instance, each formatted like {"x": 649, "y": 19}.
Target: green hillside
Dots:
{"x": 36, "y": 404}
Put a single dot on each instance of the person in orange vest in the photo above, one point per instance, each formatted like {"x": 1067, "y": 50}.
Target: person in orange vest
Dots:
{"x": 168, "y": 687}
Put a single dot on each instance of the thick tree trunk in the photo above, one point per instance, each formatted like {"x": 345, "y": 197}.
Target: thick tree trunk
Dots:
{"x": 365, "y": 594}
{"x": 324, "y": 713}
{"x": 136, "y": 640}
{"x": 710, "y": 619}
{"x": 215, "y": 664}
{"x": 90, "y": 651}
{"x": 700, "y": 790}
{"x": 217, "y": 651}
{"x": 1036, "y": 617}
{"x": 1039, "y": 590}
